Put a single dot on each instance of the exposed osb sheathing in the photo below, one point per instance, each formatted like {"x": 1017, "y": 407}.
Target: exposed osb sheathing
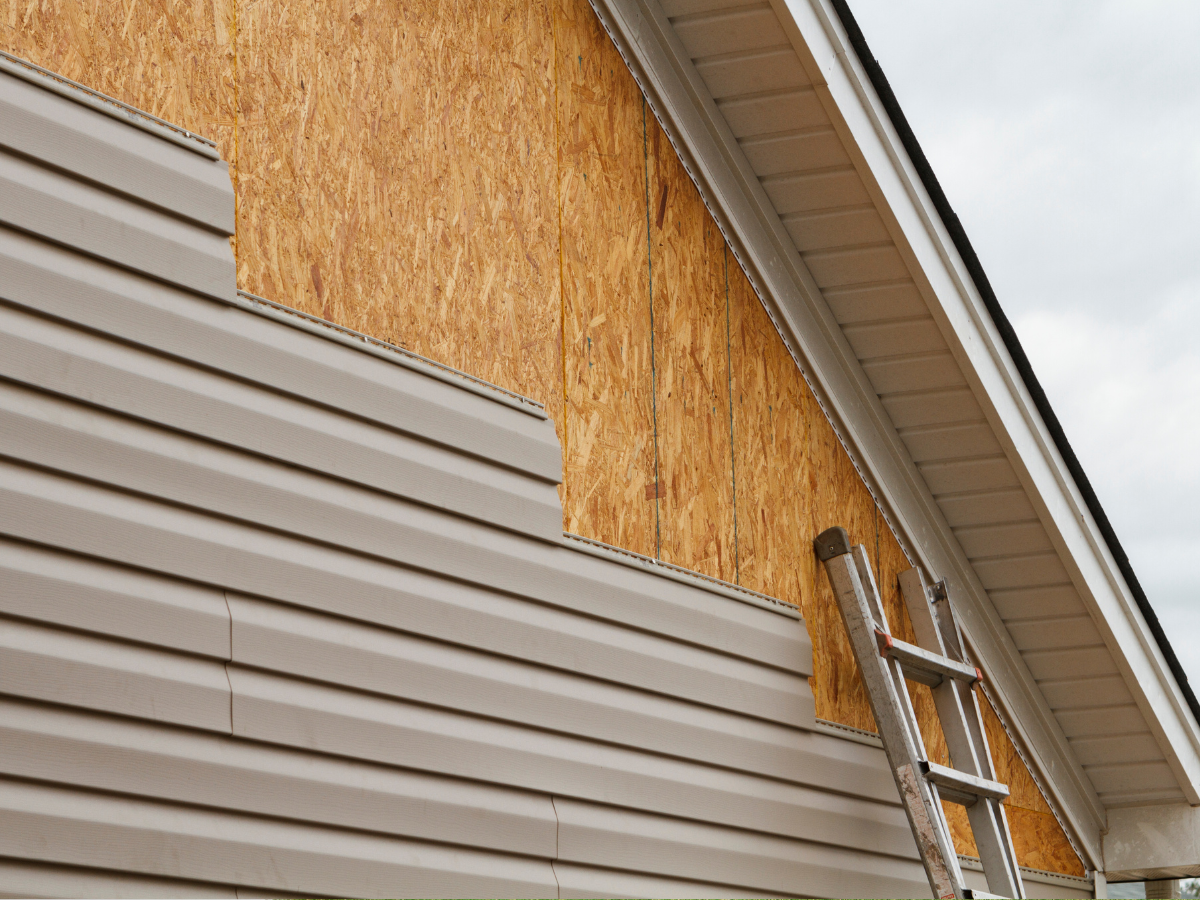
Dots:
{"x": 484, "y": 184}
{"x": 691, "y": 368}
{"x": 1038, "y": 838}
{"x": 772, "y": 460}
{"x": 610, "y": 476}
{"x": 397, "y": 174}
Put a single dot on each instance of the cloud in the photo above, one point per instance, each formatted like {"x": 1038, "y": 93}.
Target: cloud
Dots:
{"x": 1128, "y": 395}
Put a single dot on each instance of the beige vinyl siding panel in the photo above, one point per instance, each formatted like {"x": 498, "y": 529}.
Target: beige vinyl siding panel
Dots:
{"x": 402, "y": 419}
{"x": 125, "y": 756}
{"x": 60, "y": 132}
{"x": 104, "y": 224}
{"x": 624, "y": 839}
{"x": 72, "y": 827}
{"x": 90, "y": 595}
{"x": 591, "y": 881}
{"x": 26, "y": 879}
{"x": 284, "y": 613}
{"x": 57, "y": 666}
{"x": 789, "y": 143}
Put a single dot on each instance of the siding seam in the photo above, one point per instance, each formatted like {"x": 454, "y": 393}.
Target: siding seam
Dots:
{"x": 557, "y": 831}
{"x": 225, "y": 664}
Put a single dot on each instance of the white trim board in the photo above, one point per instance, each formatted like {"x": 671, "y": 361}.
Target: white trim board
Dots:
{"x": 1155, "y": 842}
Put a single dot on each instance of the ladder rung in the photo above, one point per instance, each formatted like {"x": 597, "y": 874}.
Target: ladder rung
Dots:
{"x": 959, "y": 787}
{"x": 921, "y": 665}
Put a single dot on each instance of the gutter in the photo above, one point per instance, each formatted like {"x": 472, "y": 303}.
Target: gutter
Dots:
{"x": 963, "y": 244}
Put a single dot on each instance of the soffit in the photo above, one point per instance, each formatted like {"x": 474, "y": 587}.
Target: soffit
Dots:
{"x": 849, "y": 242}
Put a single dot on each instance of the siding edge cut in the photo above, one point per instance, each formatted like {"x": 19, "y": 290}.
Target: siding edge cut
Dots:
{"x": 680, "y": 574}
{"x": 295, "y": 318}
{"x": 110, "y": 106}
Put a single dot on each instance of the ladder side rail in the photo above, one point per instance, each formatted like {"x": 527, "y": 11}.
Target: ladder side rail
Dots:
{"x": 960, "y": 741}
{"x": 925, "y": 623}
{"x": 908, "y": 716}
{"x": 987, "y": 817}
{"x": 919, "y": 802}
{"x": 1001, "y": 855}
{"x": 958, "y": 710}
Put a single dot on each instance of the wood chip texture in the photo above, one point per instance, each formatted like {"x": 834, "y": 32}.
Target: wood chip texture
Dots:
{"x": 484, "y": 184}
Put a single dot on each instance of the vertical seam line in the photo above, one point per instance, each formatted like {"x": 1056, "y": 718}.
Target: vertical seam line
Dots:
{"x": 723, "y": 223}
{"x": 737, "y": 577}
{"x": 554, "y": 809}
{"x": 562, "y": 292}
{"x": 228, "y": 680}
{"x": 878, "y": 562}
{"x": 237, "y": 151}
{"x": 653, "y": 373}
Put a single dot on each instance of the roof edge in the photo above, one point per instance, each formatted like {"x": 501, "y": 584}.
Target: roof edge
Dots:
{"x": 1011, "y": 342}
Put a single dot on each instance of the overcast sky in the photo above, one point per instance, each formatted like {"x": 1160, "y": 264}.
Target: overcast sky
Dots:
{"x": 1067, "y": 138}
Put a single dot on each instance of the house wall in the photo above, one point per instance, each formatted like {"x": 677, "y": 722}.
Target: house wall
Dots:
{"x": 484, "y": 185}
{"x": 288, "y": 614}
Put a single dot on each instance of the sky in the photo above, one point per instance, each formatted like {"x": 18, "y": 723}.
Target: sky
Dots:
{"x": 1066, "y": 136}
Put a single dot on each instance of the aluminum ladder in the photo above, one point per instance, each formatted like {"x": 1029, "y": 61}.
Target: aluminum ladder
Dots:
{"x": 939, "y": 662}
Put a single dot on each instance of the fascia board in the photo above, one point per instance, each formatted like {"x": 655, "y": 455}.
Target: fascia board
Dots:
{"x": 734, "y": 196}
{"x": 1150, "y": 842}
{"x": 1011, "y": 412}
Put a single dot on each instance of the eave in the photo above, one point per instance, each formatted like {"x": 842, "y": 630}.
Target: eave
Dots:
{"x": 1003, "y": 437}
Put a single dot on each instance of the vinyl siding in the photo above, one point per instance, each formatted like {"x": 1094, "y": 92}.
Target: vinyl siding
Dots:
{"x": 286, "y": 615}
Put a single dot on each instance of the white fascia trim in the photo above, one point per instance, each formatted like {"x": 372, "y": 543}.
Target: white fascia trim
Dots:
{"x": 746, "y": 216}
{"x": 1151, "y": 842}
{"x": 985, "y": 361}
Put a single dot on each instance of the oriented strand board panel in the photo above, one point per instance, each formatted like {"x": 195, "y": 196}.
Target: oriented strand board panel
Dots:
{"x": 172, "y": 58}
{"x": 770, "y": 459}
{"x": 397, "y": 175}
{"x": 691, "y": 368}
{"x": 607, "y": 380}
{"x": 793, "y": 479}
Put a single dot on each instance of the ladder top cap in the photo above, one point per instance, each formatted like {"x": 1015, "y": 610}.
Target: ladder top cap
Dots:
{"x": 832, "y": 542}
